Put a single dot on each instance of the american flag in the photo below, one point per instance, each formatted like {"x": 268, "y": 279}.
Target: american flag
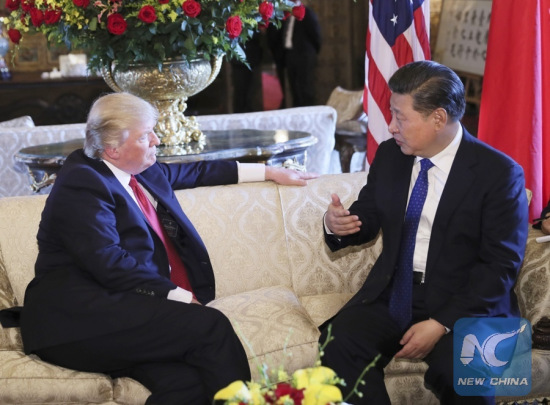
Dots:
{"x": 398, "y": 33}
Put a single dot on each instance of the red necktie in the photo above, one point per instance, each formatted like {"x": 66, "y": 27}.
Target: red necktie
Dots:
{"x": 178, "y": 273}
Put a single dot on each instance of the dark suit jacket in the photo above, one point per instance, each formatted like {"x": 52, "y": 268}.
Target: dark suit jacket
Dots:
{"x": 100, "y": 267}
{"x": 478, "y": 235}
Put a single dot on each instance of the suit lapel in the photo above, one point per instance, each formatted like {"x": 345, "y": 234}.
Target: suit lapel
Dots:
{"x": 401, "y": 178}
{"x": 459, "y": 182}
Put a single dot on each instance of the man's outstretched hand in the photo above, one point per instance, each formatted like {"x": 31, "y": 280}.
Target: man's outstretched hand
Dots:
{"x": 339, "y": 220}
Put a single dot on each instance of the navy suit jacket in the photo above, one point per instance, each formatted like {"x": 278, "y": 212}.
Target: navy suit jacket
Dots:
{"x": 478, "y": 236}
{"x": 100, "y": 267}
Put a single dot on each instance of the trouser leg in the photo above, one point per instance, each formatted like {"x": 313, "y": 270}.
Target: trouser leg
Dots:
{"x": 200, "y": 339}
{"x": 361, "y": 332}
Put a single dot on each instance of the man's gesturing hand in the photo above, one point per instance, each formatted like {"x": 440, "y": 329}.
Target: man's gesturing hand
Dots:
{"x": 339, "y": 220}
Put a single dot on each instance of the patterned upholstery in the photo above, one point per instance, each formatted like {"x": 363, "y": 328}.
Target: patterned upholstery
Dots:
{"x": 276, "y": 281}
{"x": 24, "y": 121}
{"x": 318, "y": 120}
{"x": 14, "y": 179}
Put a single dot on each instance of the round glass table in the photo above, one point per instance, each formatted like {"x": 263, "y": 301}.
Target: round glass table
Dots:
{"x": 272, "y": 147}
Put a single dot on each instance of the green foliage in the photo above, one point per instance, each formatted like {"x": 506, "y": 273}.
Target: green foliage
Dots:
{"x": 173, "y": 30}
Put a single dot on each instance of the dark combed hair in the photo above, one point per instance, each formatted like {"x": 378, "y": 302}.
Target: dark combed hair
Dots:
{"x": 432, "y": 86}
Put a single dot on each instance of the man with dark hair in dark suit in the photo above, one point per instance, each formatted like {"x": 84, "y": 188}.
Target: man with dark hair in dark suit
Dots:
{"x": 465, "y": 249}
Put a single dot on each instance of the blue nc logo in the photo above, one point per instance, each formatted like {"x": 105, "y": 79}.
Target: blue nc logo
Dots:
{"x": 492, "y": 356}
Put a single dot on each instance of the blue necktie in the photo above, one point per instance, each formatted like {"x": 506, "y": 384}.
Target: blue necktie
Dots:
{"x": 401, "y": 291}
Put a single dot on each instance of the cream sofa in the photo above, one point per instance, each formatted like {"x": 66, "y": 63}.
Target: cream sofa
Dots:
{"x": 276, "y": 281}
{"x": 319, "y": 121}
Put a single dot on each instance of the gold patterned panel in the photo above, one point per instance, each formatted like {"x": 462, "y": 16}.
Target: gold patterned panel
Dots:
{"x": 242, "y": 229}
{"x": 533, "y": 282}
{"x": 274, "y": 327}
{"x": 409, "y": 389}
{"x": 19, "y": 219}
{"x": 540, "y": 383}
{"x": 315, "y": 269}
{"x": 10, "y": 338}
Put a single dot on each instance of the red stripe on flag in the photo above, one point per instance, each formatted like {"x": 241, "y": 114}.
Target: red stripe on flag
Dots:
{"x": 402, "y": 51}
{"x": 379, "y": 90}
{"x": 421, "y": 32}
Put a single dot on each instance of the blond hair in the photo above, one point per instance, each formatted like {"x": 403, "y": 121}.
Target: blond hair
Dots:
{"x": 111, "y": 118}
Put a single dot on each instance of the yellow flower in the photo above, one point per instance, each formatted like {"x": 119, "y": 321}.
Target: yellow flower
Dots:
{"x": 256, "y": 395}
{"x": 306, "y": 377}
{"x": 321, "y": 394}
{"x": 234, "y": 393}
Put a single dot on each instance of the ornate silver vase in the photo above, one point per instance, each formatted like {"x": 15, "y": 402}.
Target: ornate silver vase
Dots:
{"x": 168, "y": 89}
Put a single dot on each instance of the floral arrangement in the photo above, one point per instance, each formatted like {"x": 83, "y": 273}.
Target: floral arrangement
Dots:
{"x": 311, "y": 386}
{"x": 316, "y": 385}
{"x": 148, "y": 31}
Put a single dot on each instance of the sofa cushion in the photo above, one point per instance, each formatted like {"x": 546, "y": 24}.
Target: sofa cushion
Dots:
{"x": 324, "y": 306}
{"x": 29, "y": 380}
{"x": 280, "y": 327}
{"x": 128, "y": 391}
{"x": 242, "y": 228}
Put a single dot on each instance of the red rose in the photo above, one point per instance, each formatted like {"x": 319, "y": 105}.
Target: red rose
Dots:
{"x": 12, "y": 5}
{"x": 286, "y": 15}
{"x": 27, "y": 5}
{"x": 37, "y": 17}
{"x": 15, "y": 35}
{"x": 81, "y": 3}
{"x": 147, "y": 14}
{"x": 282, "y": 389}
{"x": 234, "y": 26}
{"x": 299, "y": 12}
{"x": 164, "y": 1}
{"x": 191, "y": 8}
{"x": 266, "y": 10}
{"x": 116, "y": 24}
{"x": 52, "y": 16}
{"x": 297, "y": 396}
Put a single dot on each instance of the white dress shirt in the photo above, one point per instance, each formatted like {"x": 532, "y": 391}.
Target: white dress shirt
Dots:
{"x": 437, "y": 178}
